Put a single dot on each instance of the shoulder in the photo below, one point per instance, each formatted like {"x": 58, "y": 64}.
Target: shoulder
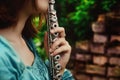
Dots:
{"x": 9, "y": 61}
{"x": 4, "y": 47}
{"x": 6, "y": 67}
{"x": 7, "y": 54}
{"x": 4, "y": 44}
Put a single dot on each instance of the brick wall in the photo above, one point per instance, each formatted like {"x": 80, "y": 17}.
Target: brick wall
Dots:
{"x": 98, "y": 58}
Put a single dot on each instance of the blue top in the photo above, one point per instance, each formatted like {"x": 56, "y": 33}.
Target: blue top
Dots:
{"x": 12, "y": 67}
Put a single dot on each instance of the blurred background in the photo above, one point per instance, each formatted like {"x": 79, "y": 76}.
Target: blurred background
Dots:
{"x": 93, "y": 31}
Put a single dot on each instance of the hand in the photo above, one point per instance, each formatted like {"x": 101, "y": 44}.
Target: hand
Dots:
{"x": 64, "y": 48}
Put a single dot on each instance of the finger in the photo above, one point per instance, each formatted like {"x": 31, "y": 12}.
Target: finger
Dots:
{"x": 62, "y": 49}
{"x": 57, "y": 43}
{"x": 59, "y": 30}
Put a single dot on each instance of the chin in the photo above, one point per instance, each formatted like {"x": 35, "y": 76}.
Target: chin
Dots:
{"x": 42, "y": 5}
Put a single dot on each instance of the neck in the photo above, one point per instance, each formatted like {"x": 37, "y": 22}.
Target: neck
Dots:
{"x": 15, "y": 32}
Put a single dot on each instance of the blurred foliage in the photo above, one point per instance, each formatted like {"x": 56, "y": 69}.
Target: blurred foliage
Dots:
{"x": 39, "y": 39}
{"x": 76, "y": 17}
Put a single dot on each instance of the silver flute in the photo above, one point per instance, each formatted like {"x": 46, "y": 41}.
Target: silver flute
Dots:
{"x": 52, "y": 23}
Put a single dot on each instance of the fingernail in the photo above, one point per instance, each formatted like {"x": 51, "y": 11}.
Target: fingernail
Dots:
{"x": 51, "y": 31}
{"x": 51, "y": 54}
{"x": 55, "y": 39}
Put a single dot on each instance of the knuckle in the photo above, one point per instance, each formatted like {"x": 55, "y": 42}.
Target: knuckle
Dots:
{"x": 63, "y": 29}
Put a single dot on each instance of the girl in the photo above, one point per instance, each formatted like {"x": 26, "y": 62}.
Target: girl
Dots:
{"x": 18, "y": 57}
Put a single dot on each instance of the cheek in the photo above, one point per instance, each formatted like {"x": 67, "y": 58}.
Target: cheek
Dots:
{"x": 41, "y": 5}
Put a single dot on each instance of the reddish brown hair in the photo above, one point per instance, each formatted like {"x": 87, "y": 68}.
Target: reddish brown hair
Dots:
{"x": 8, "y": 16}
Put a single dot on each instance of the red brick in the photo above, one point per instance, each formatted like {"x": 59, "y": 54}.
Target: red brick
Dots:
{"x": 101, "y": 18}
{"x": 115, "y": 61}
{"x": 95, "y": 69}
{"x": 84, "y": 45}
{"x": 98, "y": 27}
{"x": 97, "y": 48}
{"x": 78, "y": 67}
{"x": 115, "y": 37}
{"x": 114, "y": 71}
{"x": 100, "y": 60}
{"x": 98, "y": 78}
{"x": 100, "y": 38}
{"x": 83, "y": 57}
{"x": 114, "y": 78}
{"x": 82, "y": 77}
{"x": 114, "y": 50}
